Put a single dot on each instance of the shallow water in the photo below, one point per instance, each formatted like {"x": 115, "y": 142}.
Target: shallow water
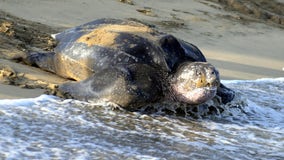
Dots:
{"x": 49, "y": 128}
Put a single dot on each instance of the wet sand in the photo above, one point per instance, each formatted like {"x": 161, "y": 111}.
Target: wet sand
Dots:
{"x": 243, "y": 42}
{"x": 12, "y": 92}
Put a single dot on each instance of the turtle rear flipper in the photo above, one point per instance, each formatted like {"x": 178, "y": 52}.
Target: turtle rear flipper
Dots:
{"x": 42, "y": 60}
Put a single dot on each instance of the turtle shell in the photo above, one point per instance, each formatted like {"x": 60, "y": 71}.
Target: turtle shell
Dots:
{"x": 104, "y": 43}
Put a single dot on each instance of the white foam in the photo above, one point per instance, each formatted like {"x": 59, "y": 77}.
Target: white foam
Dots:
{"x": 279, "y": 79}
{"x": 47, "y": 127}
{"x": 28, "y": 101}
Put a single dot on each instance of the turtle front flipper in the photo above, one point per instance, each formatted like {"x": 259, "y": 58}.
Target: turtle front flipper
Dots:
{"x": 226, "y": 94}
{"x": 128, "y": 87}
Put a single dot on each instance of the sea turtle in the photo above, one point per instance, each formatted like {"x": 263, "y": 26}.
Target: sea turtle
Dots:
{"x": 130, "y": 64}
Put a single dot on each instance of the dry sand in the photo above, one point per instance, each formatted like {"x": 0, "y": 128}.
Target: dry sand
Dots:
{"x": 244, "y": 43}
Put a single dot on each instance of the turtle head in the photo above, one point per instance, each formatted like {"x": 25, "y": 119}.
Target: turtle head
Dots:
{"x": 195, "y": 82}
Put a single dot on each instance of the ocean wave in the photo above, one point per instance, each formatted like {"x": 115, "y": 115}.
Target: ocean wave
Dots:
{"x": 47, "y": 127}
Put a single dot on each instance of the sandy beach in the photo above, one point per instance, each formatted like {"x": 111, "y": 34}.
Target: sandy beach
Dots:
{"x": 242, "y": 42}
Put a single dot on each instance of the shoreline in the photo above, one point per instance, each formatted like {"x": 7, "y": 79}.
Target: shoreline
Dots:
{"x": 240, "y": 45}
{"x": 15, "y": 92}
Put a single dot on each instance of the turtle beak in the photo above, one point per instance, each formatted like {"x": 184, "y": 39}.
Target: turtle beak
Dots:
{"x": 202, "y": 82}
